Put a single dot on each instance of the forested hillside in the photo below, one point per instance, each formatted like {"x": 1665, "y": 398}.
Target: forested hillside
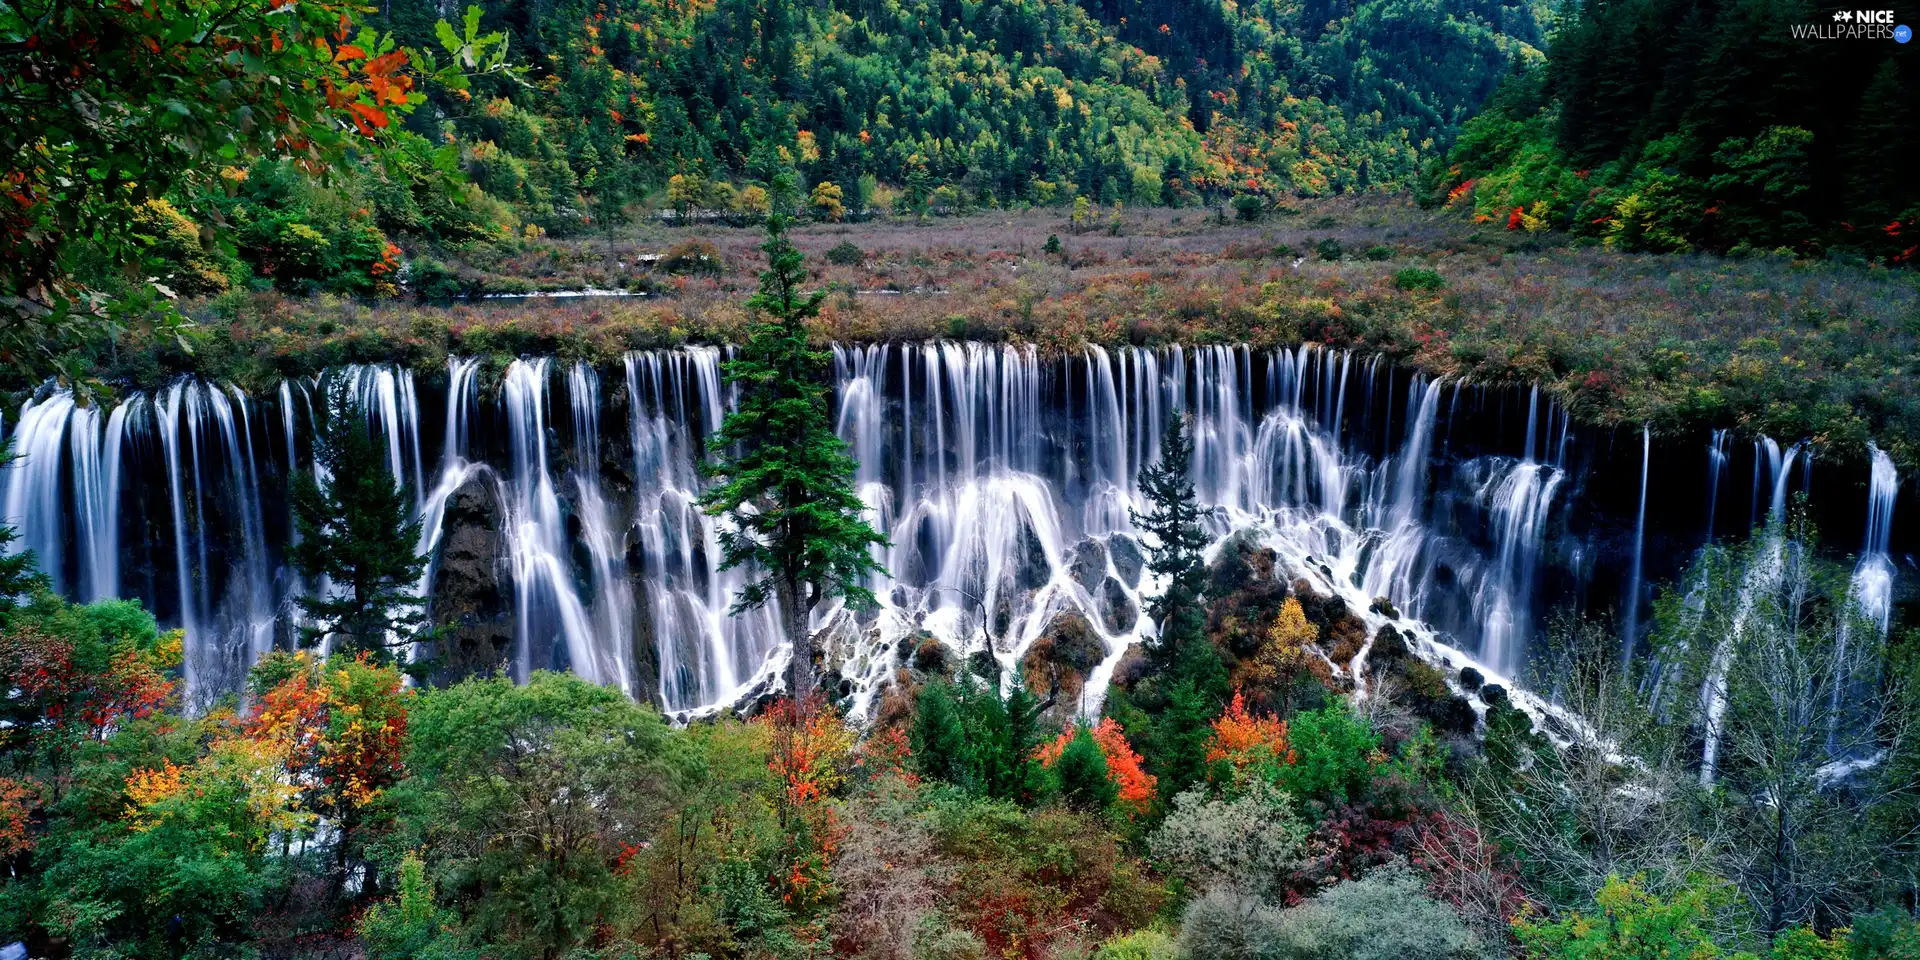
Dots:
{"x": 965, "y": 104}
{"x": 1673, "y": 125}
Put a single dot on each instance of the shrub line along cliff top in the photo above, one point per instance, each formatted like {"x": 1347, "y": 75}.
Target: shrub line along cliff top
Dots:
{"x": 1766, "y": 344}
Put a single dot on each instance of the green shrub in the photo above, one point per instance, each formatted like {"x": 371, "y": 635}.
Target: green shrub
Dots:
{"x": 845, "y": 254}
{"x": 1225, "y": 925}
{"x": 1139, "y": 945}
{"x": 1419, "y": 278}
{"x": 1631, "y": 922}
{"x": 175, "y": 253}
{"x": 1251, "y": 843}
{"x": 1886, "y": 935}
{"x": 1333, "y": 755}
{"x": 1378, "y": 252}
{"x": 412, "y": 926}
{"x": 1082, "y": 770}
{"x": 432, "y": 280}
{"x": 1385, "y": 915}
{"x": 1330, "y": 249}
{"x": 1053, "y": 243}
{"x": 936, "y": 940}
{"x": 1248, "y": 207}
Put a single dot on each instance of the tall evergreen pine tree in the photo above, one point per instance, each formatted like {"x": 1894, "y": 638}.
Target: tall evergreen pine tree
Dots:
{"x": 355, "y": 532}
{"x": 1192, "y": 681}
{"x": 786, "y": 479}
{"x": 1173, "y": 524}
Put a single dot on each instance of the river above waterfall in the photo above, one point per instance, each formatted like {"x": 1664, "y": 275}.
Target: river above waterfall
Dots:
{"x": 559, "y": 506}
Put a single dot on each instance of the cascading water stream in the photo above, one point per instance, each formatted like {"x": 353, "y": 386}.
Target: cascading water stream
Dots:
{"x": 1873, "y": 576}
{"x": 1765, "y": 571}
{"x": 707, "y": 656}
{"x": 1005, "y": 481}
{"x": 1630, "y": 617}
{"x": 553, "y": 624}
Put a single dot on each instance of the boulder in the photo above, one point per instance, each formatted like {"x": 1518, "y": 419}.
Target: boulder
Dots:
{"x": 1241, "y": 562}
{"x": 1471, "y": 679}
{"x": 1132, "y": 668}
{"x": 1344, "y": 637}
{"x": 1063, "y": 656}
{"x": 1389, "y": 648}
{"x": 472, "y": 585}
{"x": 1117, "y": 610}
{"x": 930, "y": 656}
{"x": 1088, "y": 564}
{"x": 1128, "y": 559}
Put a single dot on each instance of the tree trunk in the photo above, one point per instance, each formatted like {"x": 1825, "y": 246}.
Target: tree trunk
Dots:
{"x": 800, "y": 669}
{"x": 1781, "y": 874}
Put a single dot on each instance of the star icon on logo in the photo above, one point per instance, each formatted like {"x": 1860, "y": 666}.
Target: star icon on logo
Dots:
{"x": 1843, "y": 15}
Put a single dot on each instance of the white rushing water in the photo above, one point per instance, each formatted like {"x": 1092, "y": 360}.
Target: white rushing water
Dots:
{"x": 1003, "y": 479}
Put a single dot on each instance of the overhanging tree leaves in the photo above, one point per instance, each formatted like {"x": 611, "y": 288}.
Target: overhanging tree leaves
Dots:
{"x": 356, "y": 533}
{"x": 785, "y": 478}
{"x": 106, "y": 106}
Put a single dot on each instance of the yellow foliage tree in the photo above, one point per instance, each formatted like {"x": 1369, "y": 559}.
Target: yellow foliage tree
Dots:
{"x": 1279, "y": 661}
{"x": 826, "y": 201}
{"x": 752, "y": 202}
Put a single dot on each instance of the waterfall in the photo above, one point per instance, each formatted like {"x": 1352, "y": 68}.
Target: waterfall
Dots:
{"x": 1003, "y": 477}
{"x": 707, "y": 656}
{"x": 34, "y": 505}
{"x": 1518, "y": 497}
{"x": 1717, "y": 453}
{"x": 1766, "y": 569}
{"x": 553, "y": 626}
{"x": 1873, "y": 575}
{"x": 1630, "y": 617}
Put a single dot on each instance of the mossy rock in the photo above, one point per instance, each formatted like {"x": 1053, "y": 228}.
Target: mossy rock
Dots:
{"x": 1063, "y": 657}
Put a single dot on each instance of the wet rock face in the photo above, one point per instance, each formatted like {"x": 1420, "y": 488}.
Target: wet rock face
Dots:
{"x": 472, "y": 586}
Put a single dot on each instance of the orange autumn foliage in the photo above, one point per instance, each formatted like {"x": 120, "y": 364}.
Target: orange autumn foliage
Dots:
{"x": 1136, "y": 786}
{"x": 343, "y": 725}
{"x": 810, "y": 748}
{"x": 18, "y": 798}
{"x": 1243, "y": 738}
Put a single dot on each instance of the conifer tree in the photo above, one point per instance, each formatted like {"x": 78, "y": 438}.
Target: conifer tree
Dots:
{"x": 1172, "y": 523}
{"x": 355, "y": 533}
{"x": 939, "y": 738}
{"x": 1193, "y": 680}
{"x": 785, "y": 478}
{"x": 966, "y": 733}
{"x": 1082, "y": 770}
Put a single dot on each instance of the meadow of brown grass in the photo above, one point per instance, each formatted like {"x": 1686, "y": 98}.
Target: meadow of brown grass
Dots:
{"x": 1791, "y": 348}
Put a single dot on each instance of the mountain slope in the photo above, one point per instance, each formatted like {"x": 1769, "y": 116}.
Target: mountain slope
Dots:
{"x": 1138, "y": 101}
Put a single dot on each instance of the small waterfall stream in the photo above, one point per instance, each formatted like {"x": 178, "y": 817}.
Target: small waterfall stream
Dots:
{"x": 1002, "y": 477}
